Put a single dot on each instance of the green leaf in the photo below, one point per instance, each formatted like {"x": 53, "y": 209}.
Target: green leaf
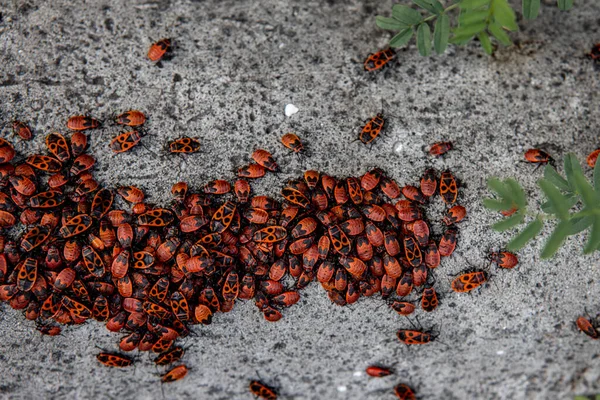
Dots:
{"x": 472, "y": 17}
{"x": 469, "y": 30}
{"x": 597, "y": 176}
{"x": 473, "y": 4}
{"x": 549, "y": 209}
{"x": 401, "y": 38}
{"x": 406, "y": 15}
{"x": 556, "y": 239}
{"x": 499, "y": 187}
{"x": 439, "y": 8}
{"x": 389, "y": 24}
{"x": 433, "y": 6}
{"x": 498, "y": 205}
{"x": 424, "y": 39}
{"x": 531, "y": 8}
{"x": 552, "y": 176}
{"x": 590, "y": 197}
{"x": 579, "y": 224}
{"x": 565, "y": 4}
{"x": 504, "y": 15}
{"x": 526, "y": 235}
{"x": 508, "y": 223}
{"x": 570, "y": 162}
{"x": 460, "y": 40}
{"x": 594, "y": 239}
{"x": 558, "y": 202}
{"x": 486, "y": 43}
{"x": 497, "y": 32}
{"x": 441, "y": 33}
{"x": 517, "y": 192}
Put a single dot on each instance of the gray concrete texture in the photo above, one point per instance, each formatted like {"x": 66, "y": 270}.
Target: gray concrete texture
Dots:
{"x": 236, "y": 66}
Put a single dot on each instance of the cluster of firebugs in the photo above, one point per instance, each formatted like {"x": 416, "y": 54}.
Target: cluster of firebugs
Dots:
{"x": 151, "y": 272}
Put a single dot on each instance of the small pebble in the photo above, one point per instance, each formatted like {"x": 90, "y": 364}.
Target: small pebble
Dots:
{"x": 290, "y": 110}
{"x": 398, "y": 147}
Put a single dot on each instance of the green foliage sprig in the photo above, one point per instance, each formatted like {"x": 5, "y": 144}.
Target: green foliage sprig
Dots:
{"x": 476, "y": 19}
{"x": 572, "y": 201}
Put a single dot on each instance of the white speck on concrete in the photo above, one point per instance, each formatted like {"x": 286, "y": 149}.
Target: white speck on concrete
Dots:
{"x": 290, "y": 110}
{"x": 357, "y": 373}
{"x": 342, "y": 388}
{"x": 398, "y": 147}
{"x": 500, "y": 352}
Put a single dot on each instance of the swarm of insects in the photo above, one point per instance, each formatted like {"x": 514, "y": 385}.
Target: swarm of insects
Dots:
{"x": 151, "y": 272}
{"x": 346, "y": 233}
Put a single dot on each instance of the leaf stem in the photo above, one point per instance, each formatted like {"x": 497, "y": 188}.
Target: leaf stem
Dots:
{"x": 541, "y": 215}
{"x": 433, "y": 16}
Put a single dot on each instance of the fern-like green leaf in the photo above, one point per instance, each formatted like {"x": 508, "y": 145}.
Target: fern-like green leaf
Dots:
{"x": 406, "y": 15}
{"x": 565, "y": 4}
{"x": 549, "y": 209}
{"x": 508, "y": 223}
{"x": 552, "y": 176}
{"x": 461, "y": 40}
{"x": 526, "y": 235}
{"x": 557, "y": 201}
{"x": 469, "y": 30}
{"x": 499, "y": 187}
{"x": 556, "y": 239}
{"x": 568, "y": 164}
{"x": 401, "y": 38}
{"x": 498, "y": 205}
{"x": 594, "y": 239}
{"x": 517, "y": 192}
{"x": 531, "y": 8}
{"x": 496, "y": 30}
{"x": 486, "y": 43}
{"x": 580, "y": 224}
{"x": 389, "y": 24}
{"x": 473, "y": 17}
{"x": 504, "y": 15}
{"x": 424, "y": 39}
{"x": 590, "y": 197}
{"x": 441, "y": 33}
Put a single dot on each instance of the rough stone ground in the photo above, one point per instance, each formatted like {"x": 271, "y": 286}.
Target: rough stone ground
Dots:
{"x": 236, "y": 66}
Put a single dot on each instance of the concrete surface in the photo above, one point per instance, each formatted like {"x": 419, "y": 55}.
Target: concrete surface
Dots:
{"x": 236, "y": 66}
